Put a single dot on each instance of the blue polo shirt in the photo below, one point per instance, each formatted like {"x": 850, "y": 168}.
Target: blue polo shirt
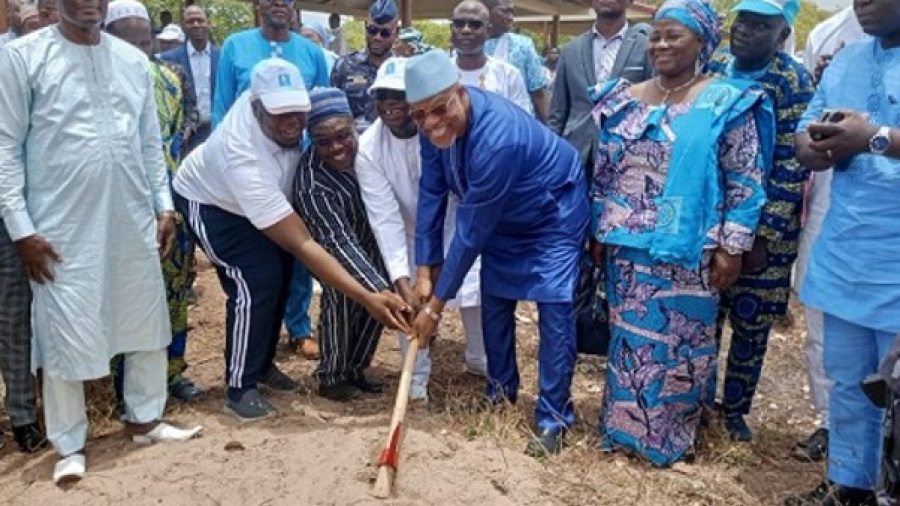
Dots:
{"x": 243, "y": 50}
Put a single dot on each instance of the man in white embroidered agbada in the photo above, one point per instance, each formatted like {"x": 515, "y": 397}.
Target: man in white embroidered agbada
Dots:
{"x": 85, "y": 197}
{"x": 468, "y": 33}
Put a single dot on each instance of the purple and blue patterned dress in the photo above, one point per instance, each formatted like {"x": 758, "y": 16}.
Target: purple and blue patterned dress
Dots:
{"x": 663, "y": 315}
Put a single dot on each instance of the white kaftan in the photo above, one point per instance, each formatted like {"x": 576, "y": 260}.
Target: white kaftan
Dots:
{"x": 388, "y": 171}
{"x": 81, "y": 164}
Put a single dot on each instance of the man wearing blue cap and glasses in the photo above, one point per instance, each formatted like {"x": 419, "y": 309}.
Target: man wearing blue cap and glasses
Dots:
{"x": 522, "y": 207}
{"x": 355, "y": 72}
{"x": 761, "y": 293}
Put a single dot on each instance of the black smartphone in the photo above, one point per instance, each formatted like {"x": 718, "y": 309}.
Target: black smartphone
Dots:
{"x": 828, "y": 116}
{"x": 831, "y": 116}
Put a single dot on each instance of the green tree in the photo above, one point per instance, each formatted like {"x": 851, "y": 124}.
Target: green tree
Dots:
{"x": 435, "y": 33}
{"x": 225, "y": 16}
{"x": 356, "y": 39}
{"x": 810, "y": 15}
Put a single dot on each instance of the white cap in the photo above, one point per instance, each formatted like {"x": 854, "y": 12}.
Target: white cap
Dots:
{"x": 391, "y": 75}
{"x": 171, "y": 32}
{"x": 121, "y": 9}
{"x": 278, "y": 85}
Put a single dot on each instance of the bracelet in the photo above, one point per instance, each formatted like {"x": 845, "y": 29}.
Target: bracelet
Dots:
{"x": 168, "y": 214}
{"x": 431, "y": 314}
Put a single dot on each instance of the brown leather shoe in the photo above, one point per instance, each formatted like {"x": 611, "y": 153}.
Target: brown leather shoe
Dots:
{"x": 307, "y": 347}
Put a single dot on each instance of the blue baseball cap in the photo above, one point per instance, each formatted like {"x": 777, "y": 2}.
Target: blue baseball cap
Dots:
{"x": 786, "y": 8}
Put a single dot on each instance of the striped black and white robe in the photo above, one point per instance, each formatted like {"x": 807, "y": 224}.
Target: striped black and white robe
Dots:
{"x": 330, "y": 203}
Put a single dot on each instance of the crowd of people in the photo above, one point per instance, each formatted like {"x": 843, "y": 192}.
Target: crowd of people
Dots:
{"x": 707, "y": 181}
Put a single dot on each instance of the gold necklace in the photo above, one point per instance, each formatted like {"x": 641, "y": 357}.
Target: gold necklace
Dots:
{"x": 668, "y": 91}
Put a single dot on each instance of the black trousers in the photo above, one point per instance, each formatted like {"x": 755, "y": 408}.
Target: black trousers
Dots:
{"x": 255, "y": 274}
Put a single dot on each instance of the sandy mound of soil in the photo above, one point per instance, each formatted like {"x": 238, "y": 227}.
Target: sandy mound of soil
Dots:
{"x": 279, "y": 465}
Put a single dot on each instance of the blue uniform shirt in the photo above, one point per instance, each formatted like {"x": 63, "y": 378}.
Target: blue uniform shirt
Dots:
{"x": 354, "y": 74}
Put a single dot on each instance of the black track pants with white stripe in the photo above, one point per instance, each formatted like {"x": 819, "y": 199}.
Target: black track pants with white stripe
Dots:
{"x": 255, "y": 274}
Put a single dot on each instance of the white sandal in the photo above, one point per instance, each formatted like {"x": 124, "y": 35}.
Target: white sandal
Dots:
{"x": 69, "y": 469}
{"x": 165, "y": 433}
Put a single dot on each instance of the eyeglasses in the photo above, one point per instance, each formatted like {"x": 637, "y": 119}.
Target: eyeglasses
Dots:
{"x": 440, "y": 110}
{"x": 391, "y": 111}
{"x": 473, "y": 24}
{"x": 343, "y": 137}
{"x": 373, "y": 30}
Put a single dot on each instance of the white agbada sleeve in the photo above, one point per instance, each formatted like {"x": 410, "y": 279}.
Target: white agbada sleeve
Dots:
{"x": 15, "y": 100}
{"x": 152, "y": 154}
{"x": 384, "y": 214}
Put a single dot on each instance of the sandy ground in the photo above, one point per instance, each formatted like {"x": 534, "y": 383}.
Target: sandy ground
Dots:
{"x": 321, "y": 453}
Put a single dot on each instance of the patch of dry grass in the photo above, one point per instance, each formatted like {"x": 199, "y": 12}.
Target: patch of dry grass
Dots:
{"x": 724, "y": 473}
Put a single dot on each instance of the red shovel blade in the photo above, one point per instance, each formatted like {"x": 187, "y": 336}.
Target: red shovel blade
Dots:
{"x": 390, "y": 455}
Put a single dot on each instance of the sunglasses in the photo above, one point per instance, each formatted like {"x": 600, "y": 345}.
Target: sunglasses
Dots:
{"x": 473, "y": 24}
{"x": 343, "y": 137}
{"x": 440, "y": 110}
{"x": 384, "y": 32}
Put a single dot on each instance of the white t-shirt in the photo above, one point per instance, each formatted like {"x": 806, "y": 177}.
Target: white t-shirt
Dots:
{"x": 827, "y": 36}
{"x": 501, "y": 78}
{"x": 240, "y": 170}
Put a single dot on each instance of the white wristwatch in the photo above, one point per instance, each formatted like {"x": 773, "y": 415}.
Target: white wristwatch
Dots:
{"x": 881, "y": 141}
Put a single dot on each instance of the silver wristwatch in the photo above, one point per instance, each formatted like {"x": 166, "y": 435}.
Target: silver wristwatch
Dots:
{"x": 881, "y": 141}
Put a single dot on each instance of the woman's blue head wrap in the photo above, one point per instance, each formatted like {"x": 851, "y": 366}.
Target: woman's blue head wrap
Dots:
{"x": 699, "y": 17}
